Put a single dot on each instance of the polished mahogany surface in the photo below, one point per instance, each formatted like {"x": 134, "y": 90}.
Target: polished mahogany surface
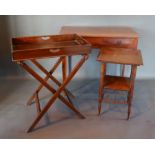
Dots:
{"x": 120, "y": 56}
{"x": 117, "y": 83}
{"x": 88, "y": 31}
{"x": 105, "y": 36}
{"x": 48, "y": 46}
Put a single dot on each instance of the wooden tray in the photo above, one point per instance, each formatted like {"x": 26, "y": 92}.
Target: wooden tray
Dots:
{"x": 37, "y": 47}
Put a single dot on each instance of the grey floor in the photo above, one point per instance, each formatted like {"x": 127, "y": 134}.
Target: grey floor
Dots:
{"x": 60, "y": 122}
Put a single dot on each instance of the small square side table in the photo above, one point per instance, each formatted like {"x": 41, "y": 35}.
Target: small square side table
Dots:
{"x": 123, "y": 56}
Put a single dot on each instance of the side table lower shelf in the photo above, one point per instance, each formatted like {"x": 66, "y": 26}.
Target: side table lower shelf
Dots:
{"x": 117, "y": 83}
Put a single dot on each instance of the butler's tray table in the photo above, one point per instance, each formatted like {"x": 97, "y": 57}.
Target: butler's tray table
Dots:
{"x": 30, "y": 49}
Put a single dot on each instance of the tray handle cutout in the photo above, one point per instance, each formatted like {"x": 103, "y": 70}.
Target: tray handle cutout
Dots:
{"x": 45, "y": 38}
{"x": 54, "y": 50}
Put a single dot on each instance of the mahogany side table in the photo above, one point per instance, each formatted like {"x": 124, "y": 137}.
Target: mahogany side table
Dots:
{"x": 118, "y": 56}
{"x": 29, "y": 49}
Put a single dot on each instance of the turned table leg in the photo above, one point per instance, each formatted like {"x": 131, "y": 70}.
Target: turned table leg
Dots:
{"x": 64, "y": 68}
{"x": 130, "y": 93}
{"x": 101, "y": 86}
{"x": 122, "y": 70}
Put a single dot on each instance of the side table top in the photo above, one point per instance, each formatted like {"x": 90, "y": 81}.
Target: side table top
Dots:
{"x": 120, "y": 56}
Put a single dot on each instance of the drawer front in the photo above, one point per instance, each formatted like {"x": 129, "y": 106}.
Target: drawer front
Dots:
{"x": 99, "y": 42}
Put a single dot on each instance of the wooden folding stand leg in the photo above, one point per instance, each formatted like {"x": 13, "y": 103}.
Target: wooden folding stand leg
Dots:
{"x": 49, "y": 75}
{"x": 66, "y": 92}
{"x": 56, "y": 93}
{"x": 64, "y": 75}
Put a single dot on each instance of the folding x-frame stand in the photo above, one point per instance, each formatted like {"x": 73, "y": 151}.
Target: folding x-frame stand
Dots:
{"x": 56, "y": 93}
